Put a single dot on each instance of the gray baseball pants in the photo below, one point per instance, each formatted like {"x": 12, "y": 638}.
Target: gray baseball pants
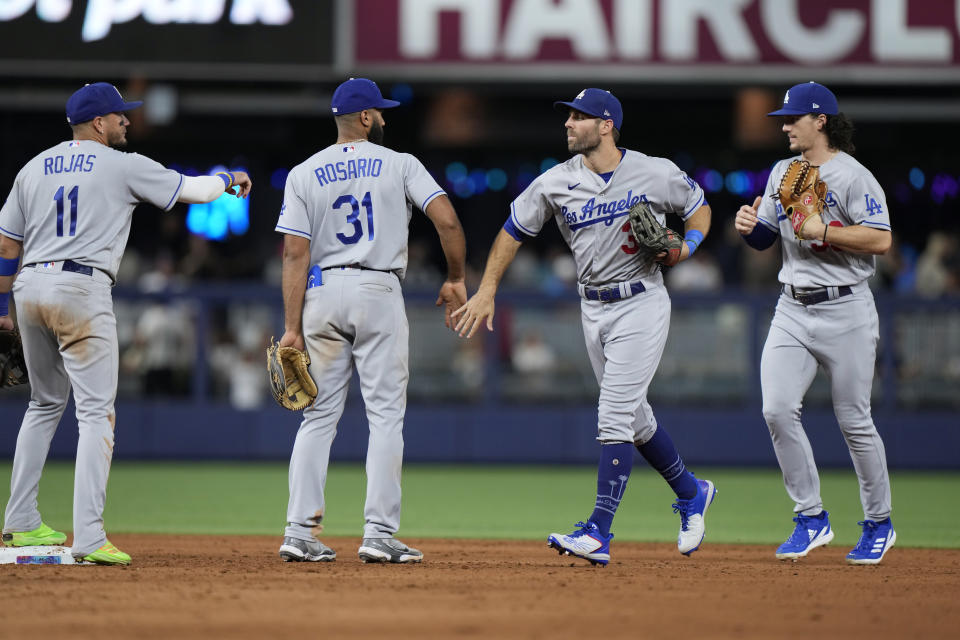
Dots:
{"x": 841, "y": 335}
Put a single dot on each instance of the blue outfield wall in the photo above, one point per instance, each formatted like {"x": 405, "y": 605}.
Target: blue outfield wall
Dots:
{"x": 712, "y": 358}
{"x": 519, "y": 434}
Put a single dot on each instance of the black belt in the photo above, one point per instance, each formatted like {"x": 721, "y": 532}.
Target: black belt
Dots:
{"x": 356, "y": 266}
{"x": 814, "y": 296}
{"x": 611, "y": 294}
{"x": 73, "y": 267}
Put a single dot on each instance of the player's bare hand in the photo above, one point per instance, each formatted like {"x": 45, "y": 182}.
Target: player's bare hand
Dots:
{"x": 453, "y": 295}
{"x": 292, "y": 339}
{"x": 6, "y": 323}
{"x": 242, "y": 181}
{"x": 471, "y": 315}
{"x": 814, "y": 227}
{"x": 746, "y": 218}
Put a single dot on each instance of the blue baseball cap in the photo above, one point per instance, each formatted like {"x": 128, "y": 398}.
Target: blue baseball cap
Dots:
{"x": 97, "y": 99}
{"x": 598, "y": 103}
{"x": 808, "y": 97}
{"x": 357, "y": 94}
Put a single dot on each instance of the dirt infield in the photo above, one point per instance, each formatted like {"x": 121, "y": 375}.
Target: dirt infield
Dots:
{"x": 207, "y": 587}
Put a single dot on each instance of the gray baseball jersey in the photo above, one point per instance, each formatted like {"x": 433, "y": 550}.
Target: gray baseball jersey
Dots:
{"x": 839, "y": 334}
{"x": 354, "y": 202}
{"x": 71, "y": 206}
{"x": 624, "y": 340}
{"x": 853, "y": 197}
{"x": 592, "y": 214}
{"x": 75, "y": 202}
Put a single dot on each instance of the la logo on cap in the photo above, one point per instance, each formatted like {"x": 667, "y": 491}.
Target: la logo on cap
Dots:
{"x": 580, "y": 95}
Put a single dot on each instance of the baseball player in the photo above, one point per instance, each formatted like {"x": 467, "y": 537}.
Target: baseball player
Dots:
{"x": 345, "y": 217}
{"x": 826, "y": 315}
{"x": 69, "y": 211}
{"x": 625, "y": 307}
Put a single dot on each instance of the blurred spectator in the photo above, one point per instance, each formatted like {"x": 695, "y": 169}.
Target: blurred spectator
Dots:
{"x": 759, "y": 269}
{"x": 248, "y": 380}
{"x": 937, "y": 267}
{"x": 727, "y": 248}
{"x": 130, "y": 267}
{"x": 561, "y": 272}
{"x": 896, "y": 269}
{"x": 162, "y": 349}
{"x": 535, "y": 361}
{"x": 699, "y": 273}
{"x": 421, "y": 273}
{"x": 526, "y": 271}
{"x": 532, "y": 356}
{"x": 162, "y": 275}
{"x": 468, "y": 364}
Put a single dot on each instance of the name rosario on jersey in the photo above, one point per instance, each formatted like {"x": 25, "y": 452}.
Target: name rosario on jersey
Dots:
{"x": 592, "y": 211}
{"x": 78, "y": 162}
{"x": 354, "y": 168}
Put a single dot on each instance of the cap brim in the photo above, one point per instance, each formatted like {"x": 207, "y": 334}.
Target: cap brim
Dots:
{"x": 386, "y": 104}
{"x": 787, "y": 111}
{"x": 127, "y": 106}
{"x": 559, "y": 105}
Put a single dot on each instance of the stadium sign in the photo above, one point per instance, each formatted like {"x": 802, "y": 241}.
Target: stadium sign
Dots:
{"x": 711, "y": 40}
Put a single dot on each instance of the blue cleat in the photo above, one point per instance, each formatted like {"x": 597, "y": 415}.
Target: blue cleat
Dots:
{"x": 586, "y": 542}
{"x": 876, "y": 540}
{"x": 692, "y": 513}
{"x": 811, "y": 532}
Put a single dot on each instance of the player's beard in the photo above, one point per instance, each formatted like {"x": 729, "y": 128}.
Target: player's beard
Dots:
{"x": 375, "y": 135}
{"x": 585, "y": 144}
{"x": 117, "y": 140}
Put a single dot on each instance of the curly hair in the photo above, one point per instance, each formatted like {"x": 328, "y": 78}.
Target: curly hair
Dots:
{"x": 839, "y": 130}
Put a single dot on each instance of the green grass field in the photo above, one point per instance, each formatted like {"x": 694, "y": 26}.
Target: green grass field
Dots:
{"x": 473, "y": 501}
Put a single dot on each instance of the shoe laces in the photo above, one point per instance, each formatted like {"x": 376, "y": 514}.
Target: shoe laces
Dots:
{"x": 681, "y": 507}
{"x": 868, "y": 536}
{"x": 583, "y": 528}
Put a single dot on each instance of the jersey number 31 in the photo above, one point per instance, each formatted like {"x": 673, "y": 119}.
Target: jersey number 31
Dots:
{"x": 353, "y": 217}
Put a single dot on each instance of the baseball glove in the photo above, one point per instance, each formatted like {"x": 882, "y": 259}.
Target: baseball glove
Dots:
{"x": 654, "y": 238}
{"x": 801, "y": 193}
{"x": 13, "y": 369}
{"x": 290, "y": 380}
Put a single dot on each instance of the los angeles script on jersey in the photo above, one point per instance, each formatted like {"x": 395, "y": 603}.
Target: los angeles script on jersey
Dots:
{"x": 59, "y": 164}
{"x": 593, "y": 212}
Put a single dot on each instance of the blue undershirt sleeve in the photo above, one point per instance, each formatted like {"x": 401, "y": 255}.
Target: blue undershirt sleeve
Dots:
{"x": 760, "y": 238}
{"x": 511, "y": 228}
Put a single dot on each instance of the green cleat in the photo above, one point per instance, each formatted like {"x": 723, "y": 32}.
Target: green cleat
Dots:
{"x": 41, "y": 536}
{"x": 107, "y": 554}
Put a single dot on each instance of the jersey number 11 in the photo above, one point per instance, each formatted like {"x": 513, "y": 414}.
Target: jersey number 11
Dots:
{"x": 72, "y": 197}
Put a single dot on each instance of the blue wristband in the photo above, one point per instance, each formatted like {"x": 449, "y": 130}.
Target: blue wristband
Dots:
{"x": 227, "y": 178}
{"x": 693, "y": 239}
{"x": 8, "y": 266}
{"x": 5, "y": 304}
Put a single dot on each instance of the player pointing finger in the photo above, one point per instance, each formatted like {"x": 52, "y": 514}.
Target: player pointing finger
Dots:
{"x": 826, "y": 317}
{"x": 746, "y": 218}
